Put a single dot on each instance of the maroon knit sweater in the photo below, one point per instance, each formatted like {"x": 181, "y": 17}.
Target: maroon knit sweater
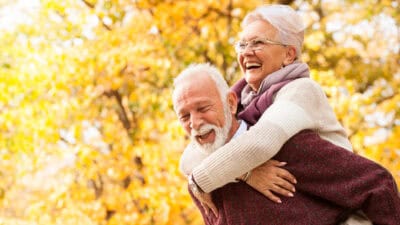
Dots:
{"x": 332, "y": 183}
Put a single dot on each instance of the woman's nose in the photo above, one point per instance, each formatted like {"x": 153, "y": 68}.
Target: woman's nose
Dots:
{"x": 248, "y": 50}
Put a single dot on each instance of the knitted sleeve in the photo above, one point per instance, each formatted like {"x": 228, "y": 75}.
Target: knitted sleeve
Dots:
{"x": 190, "y": 158}
{"x": 299, "y": 105}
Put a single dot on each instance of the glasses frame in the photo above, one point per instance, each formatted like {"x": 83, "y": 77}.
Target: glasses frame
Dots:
{"x": 253, "y": 45}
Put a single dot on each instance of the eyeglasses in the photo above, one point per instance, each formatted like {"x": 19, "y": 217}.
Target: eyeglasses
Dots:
{"x": 255, "y": 44}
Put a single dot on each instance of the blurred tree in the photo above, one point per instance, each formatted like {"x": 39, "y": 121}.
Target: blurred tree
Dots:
{"x": 87, "y": 131}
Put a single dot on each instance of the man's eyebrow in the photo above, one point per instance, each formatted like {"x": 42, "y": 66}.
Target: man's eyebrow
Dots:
{"x": 181, "y": 112}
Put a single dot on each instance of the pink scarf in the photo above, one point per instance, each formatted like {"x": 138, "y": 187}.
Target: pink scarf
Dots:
{"x": 252, "y": 104}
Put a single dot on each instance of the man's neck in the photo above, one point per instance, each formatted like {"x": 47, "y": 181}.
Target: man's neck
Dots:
{"x": 235, "y": 126}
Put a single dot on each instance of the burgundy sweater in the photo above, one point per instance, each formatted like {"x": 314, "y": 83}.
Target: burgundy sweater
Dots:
{"x": 332, "y": 184}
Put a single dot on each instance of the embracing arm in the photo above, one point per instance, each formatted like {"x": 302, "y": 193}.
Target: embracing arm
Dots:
{"x": 190, "y": 158}
{"x": 299, "y": 105}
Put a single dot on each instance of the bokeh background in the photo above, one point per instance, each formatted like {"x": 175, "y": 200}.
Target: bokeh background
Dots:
{"x": 87, "y": 131}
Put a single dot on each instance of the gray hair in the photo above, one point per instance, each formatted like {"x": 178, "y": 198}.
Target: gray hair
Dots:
{"x": 204, "y": 69}
{"x": 285, "y": 19}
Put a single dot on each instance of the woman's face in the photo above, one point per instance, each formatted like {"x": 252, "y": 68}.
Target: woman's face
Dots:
{"x": 258, "y": 64}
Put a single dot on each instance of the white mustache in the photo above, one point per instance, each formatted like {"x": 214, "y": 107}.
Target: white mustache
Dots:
{"x": 203, "y": 130}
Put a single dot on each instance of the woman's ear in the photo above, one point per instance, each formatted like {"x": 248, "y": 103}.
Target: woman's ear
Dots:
{"x": 232, "y": 102}
{"x": 290, "y": 55}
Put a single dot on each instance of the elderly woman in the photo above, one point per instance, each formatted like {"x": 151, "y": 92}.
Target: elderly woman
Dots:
{"x": 276, "y": 96}
{"x": 268, "y": 55}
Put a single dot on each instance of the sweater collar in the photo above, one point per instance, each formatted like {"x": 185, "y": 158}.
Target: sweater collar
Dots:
{"x": 242, "y": 128}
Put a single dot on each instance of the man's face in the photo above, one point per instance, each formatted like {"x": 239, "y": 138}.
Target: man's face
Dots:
{"x": 202, "y": 113}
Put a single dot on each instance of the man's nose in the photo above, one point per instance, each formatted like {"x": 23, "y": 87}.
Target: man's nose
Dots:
{"x": 196, "y": 121}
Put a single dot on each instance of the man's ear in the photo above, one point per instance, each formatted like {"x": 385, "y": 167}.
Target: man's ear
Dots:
{"x": 232, "y": 102}
{"x": 290, "y": 55}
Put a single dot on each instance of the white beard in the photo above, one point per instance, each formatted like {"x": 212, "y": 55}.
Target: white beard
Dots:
{"x": 221, "y": 134}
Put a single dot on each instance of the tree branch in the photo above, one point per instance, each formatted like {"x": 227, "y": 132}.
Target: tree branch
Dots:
{"x": 121, "y": 110}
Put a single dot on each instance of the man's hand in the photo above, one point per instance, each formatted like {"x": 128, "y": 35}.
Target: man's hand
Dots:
{"x": 270, "y": 179}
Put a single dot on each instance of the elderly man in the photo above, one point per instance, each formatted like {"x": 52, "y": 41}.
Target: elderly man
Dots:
{"x": 327, "y": 191}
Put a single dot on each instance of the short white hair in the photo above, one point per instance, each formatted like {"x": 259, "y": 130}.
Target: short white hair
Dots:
{"x": 285, "y": 19}
{"x": 203, "y": 69}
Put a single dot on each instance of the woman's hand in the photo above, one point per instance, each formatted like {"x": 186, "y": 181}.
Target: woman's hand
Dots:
{"x": 270, "y": 179}
{"x": 205, "y": 199}
{"x": 206, "y": 202}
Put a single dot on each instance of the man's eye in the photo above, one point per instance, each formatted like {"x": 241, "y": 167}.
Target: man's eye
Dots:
{"x": 184, "y": 118}
{"x": 204, "y": 109}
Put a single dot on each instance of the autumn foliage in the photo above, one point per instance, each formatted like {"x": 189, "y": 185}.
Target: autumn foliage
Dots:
{"x": 87, "y": 130}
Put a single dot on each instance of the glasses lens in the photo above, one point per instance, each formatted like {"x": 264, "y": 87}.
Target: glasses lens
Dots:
{"x": 240, "y": 46}
{"x": 243, "y": 45}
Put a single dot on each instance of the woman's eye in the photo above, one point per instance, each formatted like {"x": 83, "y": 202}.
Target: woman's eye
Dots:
{"x": 242, "y": 45}
{"x": 257, "y": 42}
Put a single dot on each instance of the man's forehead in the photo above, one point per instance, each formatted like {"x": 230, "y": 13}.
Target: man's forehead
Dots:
{"x": 188, "y": 98}
{"x": 193, "y": 96}
{"x": 194, "y": 87}
{"x": 200, "y": 85}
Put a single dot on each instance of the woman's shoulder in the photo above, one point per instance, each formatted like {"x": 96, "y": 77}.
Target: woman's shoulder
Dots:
{"x": 302, "y": 86}
{"x": 304, "y": 82}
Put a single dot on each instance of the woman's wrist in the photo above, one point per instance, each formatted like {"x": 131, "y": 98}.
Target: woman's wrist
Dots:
{"x": 244, "y": 177}
{"x": 194, "y": 187}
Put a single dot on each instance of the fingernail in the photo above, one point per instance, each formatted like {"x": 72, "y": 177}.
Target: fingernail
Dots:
{"x": 295, "y": 181}
{"x": 290, "y": 195}
{"x": 283, "y": 163}
{"x": 279, "y": 201}
{"x": 294, "y": 189}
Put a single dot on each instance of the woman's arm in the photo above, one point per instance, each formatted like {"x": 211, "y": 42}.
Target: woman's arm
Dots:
{"x": 297, "y": 106}
{"x": 190, "y": 158}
